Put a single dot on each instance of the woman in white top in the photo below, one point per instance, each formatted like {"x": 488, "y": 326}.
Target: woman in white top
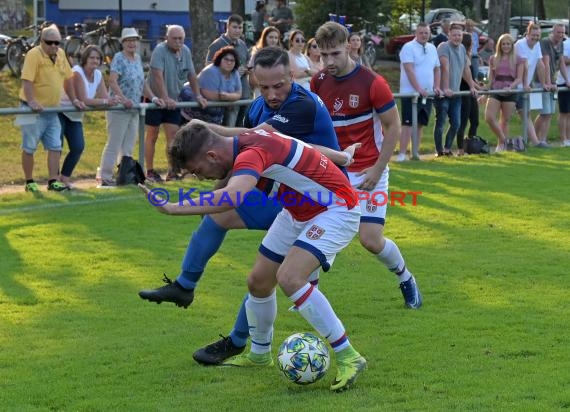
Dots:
{"x": 300, "y": 66}
{"x": 89, "y": 89}
{"x": 314, "y": 55}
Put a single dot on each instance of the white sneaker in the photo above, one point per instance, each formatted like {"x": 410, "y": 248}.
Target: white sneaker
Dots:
{"x": 500, "y": 148}
{"x": 401, "y": 157}
{"x": 566, "y": 143}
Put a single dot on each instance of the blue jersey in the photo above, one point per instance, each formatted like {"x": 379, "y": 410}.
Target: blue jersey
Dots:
{"x": 302, "y": 116}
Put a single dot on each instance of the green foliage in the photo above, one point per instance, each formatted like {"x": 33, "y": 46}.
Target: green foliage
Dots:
{"x": 310, "y": 14}
{"x": 401, "y": 7}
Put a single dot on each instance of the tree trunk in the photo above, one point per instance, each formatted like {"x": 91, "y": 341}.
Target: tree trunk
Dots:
{"x": 238, "y": 7}
{"x": 202, "y": 30}
{"x": 499, "y": 23}
{"x": 540, "y": 9}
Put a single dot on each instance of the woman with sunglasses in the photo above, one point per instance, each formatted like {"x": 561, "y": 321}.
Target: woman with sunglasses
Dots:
{"x": 300, "y": 66}
{"x": 314, "y": 55}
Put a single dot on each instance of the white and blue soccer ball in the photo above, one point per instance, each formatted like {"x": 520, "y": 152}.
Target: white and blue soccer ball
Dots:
{"x": 303, "y": 358}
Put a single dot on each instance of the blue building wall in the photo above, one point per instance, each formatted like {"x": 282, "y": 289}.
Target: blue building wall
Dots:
{"x": 150, "y": 23}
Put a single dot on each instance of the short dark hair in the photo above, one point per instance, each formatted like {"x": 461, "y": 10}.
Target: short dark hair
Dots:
{"x": 87, "y": 52}
{"x": 270, "y": 57}
{"x": 224, "y": 51}
{"x": 189, "y": 143}
{"x": 235, "y": 18}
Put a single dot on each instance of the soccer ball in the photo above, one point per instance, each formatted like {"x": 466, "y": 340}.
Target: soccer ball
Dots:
{"x": 303, "y": 358}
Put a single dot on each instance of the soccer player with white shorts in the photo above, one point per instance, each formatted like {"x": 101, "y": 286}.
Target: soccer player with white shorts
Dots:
{"x": 363, "y": 110}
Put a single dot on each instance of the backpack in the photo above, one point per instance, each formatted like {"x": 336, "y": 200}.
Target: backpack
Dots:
{"x": 475, "y": 145}
{"x": 129, "y": 172}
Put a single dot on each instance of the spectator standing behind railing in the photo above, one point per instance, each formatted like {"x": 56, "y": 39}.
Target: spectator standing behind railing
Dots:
{"x": 313, "y": 53}
{"x": 232, "y": 37}
{"x": 219, "y": 82}
{"x": 300, "y": 66}
{"x": 91, "y": 90}
{"x": 469, "y": 106}
{"x": 563, "y": 80}
{"x": 442, "y": 36}
{"x": 528, "y": 48}
{"x": 505, "y": 73}
{"x": 126, "y": 82}
{"x": 486, "y": 52}
{"x": 258, "y": 18}
{"x": 551, "y": 51}
{"x": 170, "y": 66}
{"x": 270, "y": 37}
{"x": 46, "y": 72}
{"x": 419, "y": 73}
{"x": 356, "y": 51}
{"x": 281, "y": 17}
{"x": 454, "y": 66}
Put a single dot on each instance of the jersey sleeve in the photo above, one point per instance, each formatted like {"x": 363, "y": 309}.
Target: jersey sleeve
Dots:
{"x": 250, "y": 162}
{"x": 381, "y": 95}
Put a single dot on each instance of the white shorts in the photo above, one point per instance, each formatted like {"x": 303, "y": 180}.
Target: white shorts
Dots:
{"x": 323, "y": 236}
{"x": 373, "y": 203}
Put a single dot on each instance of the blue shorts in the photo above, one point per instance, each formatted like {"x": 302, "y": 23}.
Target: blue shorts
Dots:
{"x": 260, "y": 212}
{"x": 46, "y": 129}
{"x": 159, "y": 116}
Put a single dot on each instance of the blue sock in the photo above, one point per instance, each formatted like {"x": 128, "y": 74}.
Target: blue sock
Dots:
{"x": 240, "y": 332}
{"x": 204, "y": 244}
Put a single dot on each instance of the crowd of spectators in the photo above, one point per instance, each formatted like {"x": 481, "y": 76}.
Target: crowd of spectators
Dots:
{"x": 436, "y": 69}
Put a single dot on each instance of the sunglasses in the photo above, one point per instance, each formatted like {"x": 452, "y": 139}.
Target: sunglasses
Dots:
{"x": 52, "y": 42}
{"x": 299, "y": 40}
{"x": 314, "y": 46}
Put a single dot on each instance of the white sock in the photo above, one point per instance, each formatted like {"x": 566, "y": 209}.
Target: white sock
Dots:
{"x": 317, "y": 310}
{"x": 261, "y": 313}
{"x": 314, "y": 278}
{"x": 394, "y": 261}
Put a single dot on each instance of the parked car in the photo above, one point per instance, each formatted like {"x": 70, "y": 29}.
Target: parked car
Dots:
{"x": 3, "y": 46}
{"x": 433, "y": 18}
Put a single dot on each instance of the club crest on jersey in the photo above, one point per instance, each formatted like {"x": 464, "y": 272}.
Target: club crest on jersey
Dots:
{"x": 321, "y": 76}
{"x": 370, "y": 206}
{"x": 353, "y": 101}
{"x": 337, "y": 104}
{"x": 315, "y": 232}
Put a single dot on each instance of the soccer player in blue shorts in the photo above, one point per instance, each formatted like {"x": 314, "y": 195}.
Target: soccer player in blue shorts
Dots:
{"x": 284, "y": 107}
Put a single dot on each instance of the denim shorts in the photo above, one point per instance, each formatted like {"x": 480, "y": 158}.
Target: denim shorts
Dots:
{"x": 46, "y": 129}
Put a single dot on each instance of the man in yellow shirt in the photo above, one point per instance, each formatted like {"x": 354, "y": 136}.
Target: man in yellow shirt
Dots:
{"x": 46, "y": 71}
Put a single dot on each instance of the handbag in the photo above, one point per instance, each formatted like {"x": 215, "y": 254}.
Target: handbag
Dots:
{"x": 475, "y": 145}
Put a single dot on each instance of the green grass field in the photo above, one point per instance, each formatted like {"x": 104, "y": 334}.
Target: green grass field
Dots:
{"x": 487, "y": 242}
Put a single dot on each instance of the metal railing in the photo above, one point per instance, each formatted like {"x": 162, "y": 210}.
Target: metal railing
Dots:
{"x": 143, "y": 107}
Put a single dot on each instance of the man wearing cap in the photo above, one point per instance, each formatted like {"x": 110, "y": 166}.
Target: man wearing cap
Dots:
{"x": 45, "y": 73}
{"x": 170, "y": 67}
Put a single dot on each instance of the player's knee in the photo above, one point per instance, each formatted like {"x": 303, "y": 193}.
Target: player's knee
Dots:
{"x": 372, "y": 241}
{"x": 260, "y": 285}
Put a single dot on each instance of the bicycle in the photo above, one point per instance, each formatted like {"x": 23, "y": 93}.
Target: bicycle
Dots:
{"x": 76, "y": 43}
{"x": 18, "y": 47}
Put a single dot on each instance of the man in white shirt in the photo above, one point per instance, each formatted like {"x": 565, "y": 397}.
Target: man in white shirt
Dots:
{"x": 419, "y": 73}
{"x": 528, "y": 48}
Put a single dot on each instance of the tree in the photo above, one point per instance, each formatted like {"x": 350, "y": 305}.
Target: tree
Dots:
{"x": 202, "y": 30}
{"x": 238, "y": 7}
{"x": 501, "y": 11}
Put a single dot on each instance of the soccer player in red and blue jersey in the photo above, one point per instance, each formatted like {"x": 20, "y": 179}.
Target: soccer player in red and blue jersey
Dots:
{"x": 305, "y": 235}
{"x": 363, "y": 110}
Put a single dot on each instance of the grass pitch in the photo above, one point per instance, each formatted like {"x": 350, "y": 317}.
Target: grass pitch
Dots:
{"x": 487, "y": 242}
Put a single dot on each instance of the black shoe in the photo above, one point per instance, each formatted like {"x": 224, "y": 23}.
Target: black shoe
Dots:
{"x": 217, "y": 352}
{"x": 171, "y": 292}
